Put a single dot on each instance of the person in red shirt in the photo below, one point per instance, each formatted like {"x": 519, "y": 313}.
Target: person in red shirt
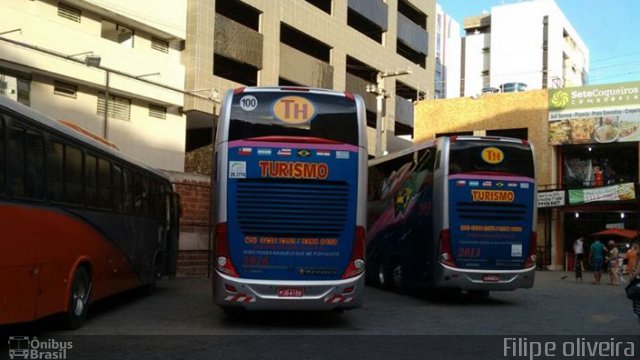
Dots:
{"x": 598, "y": 176}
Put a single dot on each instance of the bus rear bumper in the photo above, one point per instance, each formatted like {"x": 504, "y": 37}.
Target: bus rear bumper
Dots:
{"x": 485, "y": 280}
{"x": 254, "y": 294}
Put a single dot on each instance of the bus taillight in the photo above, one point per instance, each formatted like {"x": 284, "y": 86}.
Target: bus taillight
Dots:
{"x": 531, "y": 257}
{"x": 356, "y": 263}
{"x": 223, "y": 258}
{"x": 446, "y": 256}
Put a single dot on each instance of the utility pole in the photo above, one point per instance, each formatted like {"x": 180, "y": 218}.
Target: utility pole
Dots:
{"x": 381, "y": 94}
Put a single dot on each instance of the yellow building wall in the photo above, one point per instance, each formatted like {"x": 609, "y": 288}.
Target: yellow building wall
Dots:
{"x": 527, "y": 109}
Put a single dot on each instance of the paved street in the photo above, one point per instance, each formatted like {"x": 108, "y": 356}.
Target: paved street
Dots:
{"x": 182, "y": 308}
{"x": 555, "y": 306}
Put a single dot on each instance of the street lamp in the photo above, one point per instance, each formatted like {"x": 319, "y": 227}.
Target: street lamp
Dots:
{"x": 94, "y": 60}
{"x": 381, "y": 94}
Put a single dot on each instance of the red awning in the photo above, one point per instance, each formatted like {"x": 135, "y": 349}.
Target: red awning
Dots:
{"x": 629, "y": 234}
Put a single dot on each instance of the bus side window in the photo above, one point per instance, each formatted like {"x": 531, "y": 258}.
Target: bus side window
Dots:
{"x": 127, "y": 190}
{"x": 138, "y": 192}
{"x": 116, "y": 182}
{"x": 374, "y": 179}
{"x": 426, "y": 159}
{"x": 72, "y": 175}
{"x": 3, "y": 167}
{"x": 104, "y": 184}
{"x": 17, "y": 162}
{"x": 90, "y": 180}
{"x": 55, "y": 165}
{"x": 35, "y": 165}
{"x": 145, "y": 194}
{"x": 154, "y": 203}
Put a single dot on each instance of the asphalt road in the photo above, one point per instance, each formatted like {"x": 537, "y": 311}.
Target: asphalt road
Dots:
{"x": 181, "y": 310}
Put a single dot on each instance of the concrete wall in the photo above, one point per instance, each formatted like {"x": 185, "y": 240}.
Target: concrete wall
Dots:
{"x": 491, "y": 112}
{"x": 329, "y": 29}
{"x": 54, "y": 38}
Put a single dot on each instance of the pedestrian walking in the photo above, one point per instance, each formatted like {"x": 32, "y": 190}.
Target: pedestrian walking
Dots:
{"x": 613, "y": 264}
{"x": 596, "y": 260}
{"x": 632, "y": 257}
{"x": 578, "y": 250}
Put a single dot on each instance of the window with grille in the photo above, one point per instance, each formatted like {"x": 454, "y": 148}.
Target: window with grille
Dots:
{"x": 160, "y": 45}
{"x": 69, "y": 12}
{"x": 119, "y": 108}
{"x": 157, "y": 111}
{"x": 65, "y": 89}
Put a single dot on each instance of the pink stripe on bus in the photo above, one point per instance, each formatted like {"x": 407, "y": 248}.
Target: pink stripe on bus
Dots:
{"x": 240, "y": 143}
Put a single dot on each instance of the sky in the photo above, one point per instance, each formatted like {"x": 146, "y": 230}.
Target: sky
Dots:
{"x": 609, "y": 28}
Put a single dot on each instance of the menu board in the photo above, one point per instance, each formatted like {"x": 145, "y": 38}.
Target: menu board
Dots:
{"x": 595, "y": 114}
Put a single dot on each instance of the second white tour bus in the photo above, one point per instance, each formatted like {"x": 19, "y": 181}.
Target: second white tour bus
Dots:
{"x": 455, "y": 212}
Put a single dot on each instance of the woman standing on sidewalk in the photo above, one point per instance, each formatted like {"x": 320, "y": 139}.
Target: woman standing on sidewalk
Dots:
{"x": 613, "y": 264}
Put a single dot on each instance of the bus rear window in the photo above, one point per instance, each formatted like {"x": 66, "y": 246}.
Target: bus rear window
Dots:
{"x": 293, "y": 114}
{"x": 476, "y": 157}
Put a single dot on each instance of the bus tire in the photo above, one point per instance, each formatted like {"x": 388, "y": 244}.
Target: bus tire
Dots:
{"x": 397, "y": 280}
{"x": 78, "y": 299}
{"x": 384, "y": 277}
{"x": 152, "y": 286}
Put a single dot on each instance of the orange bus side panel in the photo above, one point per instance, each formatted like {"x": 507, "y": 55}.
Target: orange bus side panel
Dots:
{"x": 17, "y": 288}
{"x": 51, "y": 242}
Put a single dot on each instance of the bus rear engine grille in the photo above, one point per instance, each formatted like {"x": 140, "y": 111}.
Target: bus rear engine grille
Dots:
{"x": 496, "y": 211}
{"x": 296, "y": 209}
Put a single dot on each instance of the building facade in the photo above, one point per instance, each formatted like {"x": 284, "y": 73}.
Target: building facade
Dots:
{"x": 448, "y": 56}
{"x": 112, "y": 67}
{"x": 587, "y": 155}
{"x": 530, "y": 43}
{"x": 331, "y": 44}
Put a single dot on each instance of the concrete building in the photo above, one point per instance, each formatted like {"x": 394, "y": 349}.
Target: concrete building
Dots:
{"x": 448, "y": 56}
{"x": 72, "y": 59}
{"x": 528, "y": 42}
{"x": 332, "y": 44}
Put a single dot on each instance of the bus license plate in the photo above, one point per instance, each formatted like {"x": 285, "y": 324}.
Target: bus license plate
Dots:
{"x": 491, "y": 278}
{"x": 290, "y": 292}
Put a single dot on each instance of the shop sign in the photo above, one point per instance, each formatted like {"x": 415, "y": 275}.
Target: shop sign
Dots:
{"x": 620, "y": 192}
{"x": 551, "y": 199}
{"x": 595, "y": 114}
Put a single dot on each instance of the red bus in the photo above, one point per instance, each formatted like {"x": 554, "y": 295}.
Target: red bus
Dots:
{"x": 79, "y": 220}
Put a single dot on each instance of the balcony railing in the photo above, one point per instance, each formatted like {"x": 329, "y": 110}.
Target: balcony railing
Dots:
{"x": 304, "y": 69}
{"x": 404, "y": 111}
{"x": 358, "y": 85}
{"x": 412, "y": 35}
{"x": 374, "y": 10}
{"x": 238, "y": 42}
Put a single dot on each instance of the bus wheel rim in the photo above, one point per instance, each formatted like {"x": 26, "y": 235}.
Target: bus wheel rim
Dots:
{"x": 381, "y": 275}
{"x": 79, "y": 299}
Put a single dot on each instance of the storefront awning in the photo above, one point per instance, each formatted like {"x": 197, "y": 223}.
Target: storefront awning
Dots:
{"x": 626, "y": 233}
